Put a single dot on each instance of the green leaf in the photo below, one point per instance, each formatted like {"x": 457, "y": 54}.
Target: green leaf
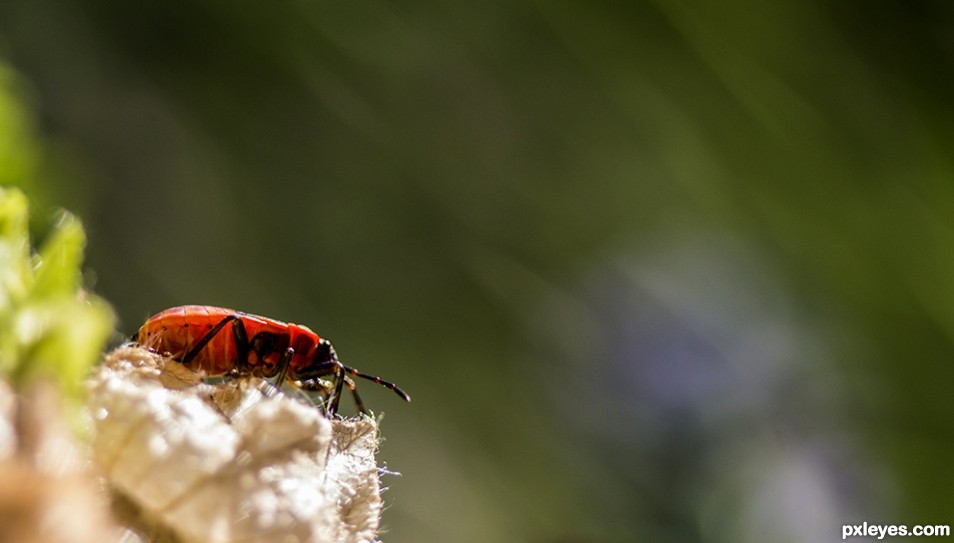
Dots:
{"x": 49, "y": 327}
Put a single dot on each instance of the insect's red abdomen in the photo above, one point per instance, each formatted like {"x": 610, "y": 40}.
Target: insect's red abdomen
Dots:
{"x": 176, "y": 330}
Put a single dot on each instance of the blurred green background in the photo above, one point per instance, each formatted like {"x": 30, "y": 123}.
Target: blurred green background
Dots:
{"x": 651, "y": 271}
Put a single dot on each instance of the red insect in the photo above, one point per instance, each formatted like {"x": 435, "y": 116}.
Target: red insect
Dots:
{"x": 256, "y": 346}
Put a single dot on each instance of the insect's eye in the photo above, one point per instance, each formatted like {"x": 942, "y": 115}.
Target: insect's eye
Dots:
{"x": 324, "y": 352}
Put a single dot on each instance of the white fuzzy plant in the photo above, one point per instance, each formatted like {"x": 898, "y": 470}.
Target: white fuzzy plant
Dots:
{"x": 226, "y": 463}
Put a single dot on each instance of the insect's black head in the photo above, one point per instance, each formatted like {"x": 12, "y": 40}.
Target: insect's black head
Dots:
{"x": 324, "y": 353}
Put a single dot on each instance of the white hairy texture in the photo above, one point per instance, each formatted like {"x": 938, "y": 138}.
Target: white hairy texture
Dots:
{"x": 224, "y": 463}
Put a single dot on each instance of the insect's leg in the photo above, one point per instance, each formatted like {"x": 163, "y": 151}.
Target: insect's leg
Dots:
{"x": 328, "y": 368}
{"x": 340, "y": 370}
{"x": 324, "y": 386}
{"x": 336, "y": 396}
{"x": 317, "y": 385}
{"x": 239, "y": 336}
{"x": 189, "y": 356}
{"x": 283, "y": 367}
{"x": 349, "y": 382}
{"x": 321, "y": 386}
{"x": 242, "y": 347}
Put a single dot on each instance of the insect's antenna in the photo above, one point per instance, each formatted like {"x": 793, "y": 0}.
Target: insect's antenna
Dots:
{"x": 377, "y": 380}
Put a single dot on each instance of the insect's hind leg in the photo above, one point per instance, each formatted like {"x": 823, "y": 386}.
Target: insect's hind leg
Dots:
{"x": 239, "y": 336}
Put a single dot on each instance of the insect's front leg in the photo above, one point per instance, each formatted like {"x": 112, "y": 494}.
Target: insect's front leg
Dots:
{"x": 327, "y": 388}
{"x": 332, "y": 367}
